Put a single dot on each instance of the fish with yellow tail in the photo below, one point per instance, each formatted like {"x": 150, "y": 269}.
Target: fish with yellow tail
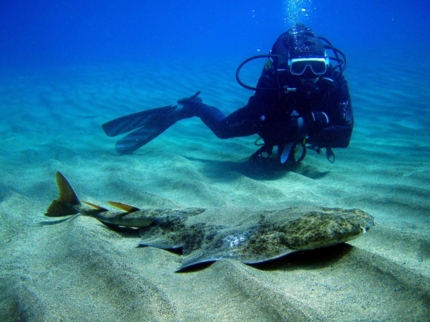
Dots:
{"x": 68, "y": 204}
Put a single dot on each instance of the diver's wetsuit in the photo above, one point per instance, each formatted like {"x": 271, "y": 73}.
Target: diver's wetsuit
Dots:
{"x": 269, "y": 112}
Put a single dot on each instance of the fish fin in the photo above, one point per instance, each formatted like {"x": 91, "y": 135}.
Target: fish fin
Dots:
{"x": 67, "y": 194}
{"x": 161, "y": 243}
{"x": 98, "y": 208}
{"x": 197, "y": 259}
{"x": 123, "y": 206}
{"x": 163, "y": 233}
{"x": 67, "y": 200}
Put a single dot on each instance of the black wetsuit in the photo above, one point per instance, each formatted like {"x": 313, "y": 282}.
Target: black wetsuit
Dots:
{"x": 269, "y": 112}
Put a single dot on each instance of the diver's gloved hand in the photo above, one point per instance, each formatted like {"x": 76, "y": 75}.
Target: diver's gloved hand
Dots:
{"x": 316, "y": 121}
{"x": 188, "y": 107}
{"x": 280, "y": 132}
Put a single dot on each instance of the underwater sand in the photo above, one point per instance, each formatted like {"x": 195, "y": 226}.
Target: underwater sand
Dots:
{"x": 79, "y": 270}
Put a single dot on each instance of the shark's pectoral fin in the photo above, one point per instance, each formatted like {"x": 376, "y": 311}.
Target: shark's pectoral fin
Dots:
{"x": 167, "y": 232}
{"x": 198, "y": 257}
{"x": 160, "y": 242}
{"x": 207, "y": 256}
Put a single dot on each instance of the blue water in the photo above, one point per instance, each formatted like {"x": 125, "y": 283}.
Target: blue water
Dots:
{"x": 63, "y": 33}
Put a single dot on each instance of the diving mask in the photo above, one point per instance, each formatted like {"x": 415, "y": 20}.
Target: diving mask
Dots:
{"x": 298, "y": 66}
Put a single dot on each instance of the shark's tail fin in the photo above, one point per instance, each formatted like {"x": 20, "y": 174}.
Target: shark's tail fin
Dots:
{"x": 67, "y": 201}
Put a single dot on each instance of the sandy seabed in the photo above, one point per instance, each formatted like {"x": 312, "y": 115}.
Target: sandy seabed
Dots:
{"x": 79, "y": 270}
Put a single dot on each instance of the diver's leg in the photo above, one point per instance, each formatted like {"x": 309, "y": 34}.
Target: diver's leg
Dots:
{"x": 234, "y": 125}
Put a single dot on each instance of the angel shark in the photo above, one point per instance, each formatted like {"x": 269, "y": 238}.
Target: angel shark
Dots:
{"x": 274, "y": 234}
{"x": 263, "y": 237}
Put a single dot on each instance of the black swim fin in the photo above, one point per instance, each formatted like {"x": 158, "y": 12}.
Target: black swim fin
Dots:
{"x": 133, "y": 121}
{"x": 147, "y": 125}
{"x": 134, "y": 140}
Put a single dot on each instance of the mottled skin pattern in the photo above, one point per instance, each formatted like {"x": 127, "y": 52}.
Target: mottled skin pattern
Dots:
{"x": 171, "y": 232}
{"x": 274, "y": 235}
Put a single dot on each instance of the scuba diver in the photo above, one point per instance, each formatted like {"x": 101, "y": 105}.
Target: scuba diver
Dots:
{"x": 301, "y": 101}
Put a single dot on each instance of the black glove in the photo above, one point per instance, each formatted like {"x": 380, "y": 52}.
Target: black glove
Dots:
{"x": 279, "y": 133}
{"x": 316, "y": 121}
